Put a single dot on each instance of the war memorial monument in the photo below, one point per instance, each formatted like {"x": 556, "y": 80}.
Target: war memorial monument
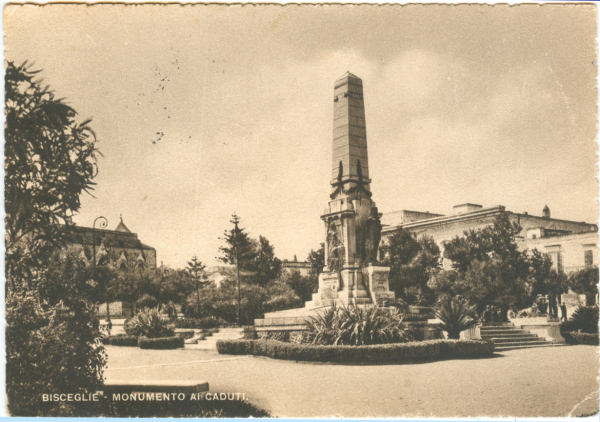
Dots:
{"x": 351, "y": 275}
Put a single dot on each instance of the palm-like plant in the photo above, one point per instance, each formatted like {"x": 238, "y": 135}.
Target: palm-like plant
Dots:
{"x": 353, "y": 325}
{"x": 149, "y": 323}
{"x": 456, "y": 315}
{"x": 321, "y": 326}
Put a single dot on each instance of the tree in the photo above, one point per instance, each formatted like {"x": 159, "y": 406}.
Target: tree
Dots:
{"x": 411, "y": 263}
{"x": 238, "y": 250}
{"x": 317, "y": 261}
{"x": 196, "y": 270}
{"x": 585, "y": 281}
{"x": 546, "y": 280}
{"x": 177, "y": 284}
{"x": 49, "y": 160}
{"x": 239, "y": 247}
{"x": 52, "y": 336}
{"x": 303, "y": 286}
{"x": 488, "y": 268}
{"x": 266, "y": 265}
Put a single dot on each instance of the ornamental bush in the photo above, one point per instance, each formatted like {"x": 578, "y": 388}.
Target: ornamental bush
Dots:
{"x": 52, "y": 342}
{"x": 148, "y": 323}
{"x": 579, "y": 337}
{"x": 379, "y": 353}
{"x": 585, "y": 318}
{"x": 146, "y": 301}
{"x": 173, "y": 342}
{"x": 354, "y": 325}
{"x": 456, "y": 315}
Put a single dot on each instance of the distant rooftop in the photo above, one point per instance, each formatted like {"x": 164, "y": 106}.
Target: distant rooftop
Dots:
{"x": 121, "y": 227}
{"x": 460, "y": 211}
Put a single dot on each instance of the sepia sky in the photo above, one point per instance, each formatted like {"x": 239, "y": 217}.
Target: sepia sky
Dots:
{"x": 201, "y": 111}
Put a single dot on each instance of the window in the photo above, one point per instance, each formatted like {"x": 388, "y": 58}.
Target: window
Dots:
{"x": 588, "y": 258}
{"x": 556, "y": 258}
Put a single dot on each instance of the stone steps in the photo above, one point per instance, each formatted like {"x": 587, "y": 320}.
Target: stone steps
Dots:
{"x": 502, "y": 332}
{"x": 506, "y": 336}
{"x": 526, "y": 346}
{"x": 210, "y": 342}
{"x": 505, "y": 340}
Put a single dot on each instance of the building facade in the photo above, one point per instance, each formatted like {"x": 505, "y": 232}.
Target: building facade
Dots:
{"x": 572, "y": 245}
{"x": 302, "y": 267}
{"x": 119, "y": 248}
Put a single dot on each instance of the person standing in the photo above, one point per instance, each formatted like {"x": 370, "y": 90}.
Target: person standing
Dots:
{"x": 563, "y": 311}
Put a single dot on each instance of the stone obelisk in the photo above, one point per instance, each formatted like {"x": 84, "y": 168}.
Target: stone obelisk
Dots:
{"x": 352, "y": 221}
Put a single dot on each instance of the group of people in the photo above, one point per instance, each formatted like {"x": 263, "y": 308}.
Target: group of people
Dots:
{"x": 496, "y": 314}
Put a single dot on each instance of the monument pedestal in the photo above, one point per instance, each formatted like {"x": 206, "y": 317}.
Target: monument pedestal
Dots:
{"x": 357, "y": 286}
{"x": 378, "y": 278}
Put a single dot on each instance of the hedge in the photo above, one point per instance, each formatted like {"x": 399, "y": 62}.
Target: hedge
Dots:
{"x": 120, "y": 340}
{"x": 578, "y": 337}
{"x": 379, "y": 353}
{"x": 173, "y": 342}
{"x": 205, "y": 322}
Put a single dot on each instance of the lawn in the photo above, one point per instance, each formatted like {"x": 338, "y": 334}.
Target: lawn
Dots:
{"x": 551, "y": 381}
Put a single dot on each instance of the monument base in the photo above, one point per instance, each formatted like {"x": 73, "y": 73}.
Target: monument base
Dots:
{"x": 357, "y": 286}
{"x": 366, "y": 286}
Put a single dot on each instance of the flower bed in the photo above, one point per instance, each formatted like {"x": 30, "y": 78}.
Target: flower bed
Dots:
{"x": 173, "y": 342}
{"x": 380, "y": 353}
{"x": 120, "y": 340}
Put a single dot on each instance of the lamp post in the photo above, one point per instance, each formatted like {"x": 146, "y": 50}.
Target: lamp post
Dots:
{"x": 102, "y": 223}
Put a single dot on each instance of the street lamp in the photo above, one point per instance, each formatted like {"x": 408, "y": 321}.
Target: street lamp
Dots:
{"x": 102, "y": 223}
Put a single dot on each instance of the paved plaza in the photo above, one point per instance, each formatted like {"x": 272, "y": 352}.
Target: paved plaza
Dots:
{"x": 552, "y": 381}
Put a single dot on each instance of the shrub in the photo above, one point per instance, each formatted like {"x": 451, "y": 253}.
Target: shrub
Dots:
{"x": 250, "y": 332}
{"x": 120, "y": 340}
{"x": 356, "y": 326}
{"x": 173, "y": 342}
{"x": 52, "y": 342}
{"x": 146, "y": 301}
{"x": 204, "y": 322}
{"x": 187, "y": 334}
{"x": 378, "y": 353}
{"x": 579, "y": 337}
{"x": 148, "y": 323}
{"x": 585, "y": 281}
{"x": 585, "y": 319}
{"x": 456, "y": 315}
